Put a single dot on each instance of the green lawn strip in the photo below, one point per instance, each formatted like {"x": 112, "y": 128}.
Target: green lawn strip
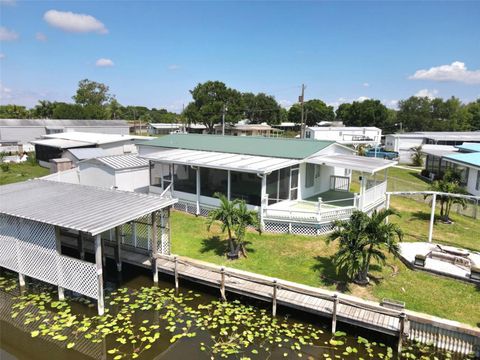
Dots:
{"x": 22, "y": 172}
{"x": 307, "y": 260}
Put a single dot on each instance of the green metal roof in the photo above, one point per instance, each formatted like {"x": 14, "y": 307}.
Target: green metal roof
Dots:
{"x": 248, "y": 145}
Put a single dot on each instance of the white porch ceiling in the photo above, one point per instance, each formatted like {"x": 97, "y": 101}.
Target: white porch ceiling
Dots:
{"x": 353, "y": 162}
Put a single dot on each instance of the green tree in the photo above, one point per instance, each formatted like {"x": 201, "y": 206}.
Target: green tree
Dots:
{"x": 114, "y": 110}
{"x": 364, "y": 113}
{"x": 92, "y": 93}
{"x": 314, "y": 111}
{"x": 362, "y": 239}
{"x": 14, "y": 112}
{"x": 210, "y": 99}
{"x": 261, "y": 108}
{"x": 450, "y": 183}
{"x": 234, "y": 218}
{"x": 474, "y": 109}
{"x": 417, "y": 156}
{"x": 44, "y": 109}
{"x": 68, "y": 111}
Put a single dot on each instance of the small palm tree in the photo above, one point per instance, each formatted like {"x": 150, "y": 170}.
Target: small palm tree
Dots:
{"x": 417, "y": 156}
{"x": 245, "y": 218}
{"x": 363, "y": 239}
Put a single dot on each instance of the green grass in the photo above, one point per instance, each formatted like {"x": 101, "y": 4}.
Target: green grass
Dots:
{"x": 21, "y": 172}
{"x": 307, "y": 260}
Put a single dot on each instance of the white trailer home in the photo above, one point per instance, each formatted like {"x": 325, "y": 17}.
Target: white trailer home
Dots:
{"x": 347, "y": 135}
{"x": 296, "y": 185}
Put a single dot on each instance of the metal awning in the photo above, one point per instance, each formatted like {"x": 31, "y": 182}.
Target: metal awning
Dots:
{"x": 61, "y": 143}
{"x": 89, "y": 209}
{"x": 353, "y": 162}
{"x": 223, "y": 161}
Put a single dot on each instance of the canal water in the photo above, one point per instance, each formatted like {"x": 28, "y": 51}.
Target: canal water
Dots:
{"x": 148, "y": 322}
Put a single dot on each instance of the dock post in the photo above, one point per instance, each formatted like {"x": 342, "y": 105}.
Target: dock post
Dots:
{"x": 175, "y": 262}
{"x": 58, "y": 243}
{"x": 154, "y": 247}
{"x": 274, "y": 298}
{"x": 334, "y": 313}
{"x": 401, "y": 330}
{"x": 98, "y": 262}
{"x": 222, "y": 283}
{"x": 21, "y": 280}
{"x": 118, "y": 248}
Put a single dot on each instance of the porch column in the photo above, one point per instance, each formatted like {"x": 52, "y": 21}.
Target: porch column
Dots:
{"x": 98, "y": 262}
{"x": 363, "y": 185}
{"x": 432, "y": 218}
{"x": 387, "y": 206}
{"x": 263, "y": 197}
{"x": 118, "y": 248}
{"x": 81, "y": 245}
{"x": 154, "y": 247}
{"x": 229, "y": 185}
{"x": 58, "y": 242}
{"x": 198, "y": 190}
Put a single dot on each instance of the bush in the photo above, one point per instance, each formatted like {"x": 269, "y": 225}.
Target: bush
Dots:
{"x": 5, "y": 167}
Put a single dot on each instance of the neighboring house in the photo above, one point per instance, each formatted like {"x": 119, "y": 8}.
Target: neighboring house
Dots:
{"x": 402, "y": 143}
{"x": 26, "y": 130}
{"x": 168, "y": 128}
{"x": 348, "y": 135}
{"x": 464, "y": 159}
{"x": 123, "y": 172}
{"x": 75, "y": 155}
{"x": 10, "y": 146}
{"x": 287, "y": 126}
{"x": 243, "y": 129}
{"x": 55, "y": 146}
{"x": 296, "y": 185}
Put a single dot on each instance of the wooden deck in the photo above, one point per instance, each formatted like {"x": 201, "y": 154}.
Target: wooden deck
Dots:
{"x": 317, "y": 301}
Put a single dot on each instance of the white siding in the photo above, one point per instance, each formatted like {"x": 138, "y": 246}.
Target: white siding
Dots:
{"x": 96, "y": 175}
{"x": 472, "y": 181}
{"x": 133, "y": 180}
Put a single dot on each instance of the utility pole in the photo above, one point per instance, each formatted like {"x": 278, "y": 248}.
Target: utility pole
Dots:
{"x": 184, "y": 121}
{"x": 302, "y": 126}
{"x": 223, "y": 118}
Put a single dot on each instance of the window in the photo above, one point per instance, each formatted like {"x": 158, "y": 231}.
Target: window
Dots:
{"x": 310, "y": 175}
{"x": 477, "y": 185}
{"x": 155, "y": 174}
{"x": 245, "y": 186}
{"x": 307, "y": 135}
{"x": 212, "y": 181}
{"x": 184, "y": 179}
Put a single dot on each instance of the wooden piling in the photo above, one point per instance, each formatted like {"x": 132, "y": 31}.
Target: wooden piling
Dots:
{"x": 222, "y": 284}
{"x": 401, "y": 331}
{"x": 175, "y": 261}
{"x": 334, "y": 313}
{"x": 274, "y": 298}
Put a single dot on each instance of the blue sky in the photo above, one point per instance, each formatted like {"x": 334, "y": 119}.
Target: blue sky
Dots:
{"x": 155, "y": 52}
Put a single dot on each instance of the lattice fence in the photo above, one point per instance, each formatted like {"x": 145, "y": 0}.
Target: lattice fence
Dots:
{"x": 281, "y": 227}
{"x": 29, "y": 247}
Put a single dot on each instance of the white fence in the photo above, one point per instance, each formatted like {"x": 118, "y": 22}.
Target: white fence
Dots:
{"x": 374, "y": 195}
{"x": 29, "y": 248}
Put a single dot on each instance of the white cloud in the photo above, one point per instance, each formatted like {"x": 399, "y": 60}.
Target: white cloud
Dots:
{"x": 7, "y": 35}
{"x": 41, "y": 37}
{"x": 287, "y": 104}
{"x": 392, "y": 104}
{"x": 365, "y": 84}
{"x": 174, "y": 67}
{"x": 431, "y": 94}
{"x": 456, "y": 71}
{"x": 2, "y": 56}
{"x": 102, "y": 62}
{"x": 73, "y": 22}
{"x": 5, "y": 93}
{"x": 362, "y": 98}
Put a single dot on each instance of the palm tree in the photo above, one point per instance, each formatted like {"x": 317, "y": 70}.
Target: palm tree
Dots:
{"x": 450, "y": 183}
{"x": 244, "y": 219}
{"x": 417, "y": 156}
{"x": 363, "y": 239}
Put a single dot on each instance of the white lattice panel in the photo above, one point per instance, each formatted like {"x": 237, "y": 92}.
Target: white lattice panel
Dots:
{"x": 297, "y": 228}
{"x": 32, "y": 246}
{"x": 164, "y": 238}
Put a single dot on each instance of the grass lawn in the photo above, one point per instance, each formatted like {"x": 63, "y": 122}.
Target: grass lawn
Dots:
{"x": 307, "y": 260}
{"x": 21, "y": 172}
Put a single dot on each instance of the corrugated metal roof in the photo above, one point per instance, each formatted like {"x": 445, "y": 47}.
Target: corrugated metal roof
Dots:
{"x": 442, "y": 135}
{"x": 469, "y": 159}
{"x": 62, "y": 122}
{"x": 354, "y": 162}
{"x": 224, "y": 161}
{"x": 438, "y": 150}
{"x": 95, "y": 138}
{"x": 61, "y": 143}
{"x": 469, "y": 147}
{"x": 87, "y": 153}
{"x": 121, "y": 162}
{"x": 247, "y": 145}
{"x": 84, "y": 208}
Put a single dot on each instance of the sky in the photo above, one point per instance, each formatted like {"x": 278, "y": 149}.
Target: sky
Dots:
{"x": 152, "y": 53}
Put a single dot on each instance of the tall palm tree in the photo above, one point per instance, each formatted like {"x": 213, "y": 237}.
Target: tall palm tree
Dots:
{"x": 244, "y": 219}
{"x": 417, "y": 156}
{"x": 362, "y": 239}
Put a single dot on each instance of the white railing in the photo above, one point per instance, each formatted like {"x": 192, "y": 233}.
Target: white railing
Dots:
{"x": 340, "y": 183}
{"x": 339, "y": 213}
{"x": 374, "y": 194}
{"x": 167, "y": 192}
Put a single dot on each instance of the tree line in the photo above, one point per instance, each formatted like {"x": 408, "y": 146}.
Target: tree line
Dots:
{"x": 214, "y": 100}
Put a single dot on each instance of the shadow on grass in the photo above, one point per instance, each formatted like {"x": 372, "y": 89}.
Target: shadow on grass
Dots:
{"x": 420, "y": 177}
{"x": 220, "y": 247}
{"x": 328, "y": 273}
{"x": 420, "y": 215}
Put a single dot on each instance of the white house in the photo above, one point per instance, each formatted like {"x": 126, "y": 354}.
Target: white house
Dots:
{"x": 167, "y": 128}
{"x": 245, "y": 129}
{"x": 123, "y": 172}
{"x": 350, "y": 135}
{"x": 55, "y": 146}
{"x": 295, "y": 185}
{"x": 468, "y": 158}
{"x": 402, "y": 143}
